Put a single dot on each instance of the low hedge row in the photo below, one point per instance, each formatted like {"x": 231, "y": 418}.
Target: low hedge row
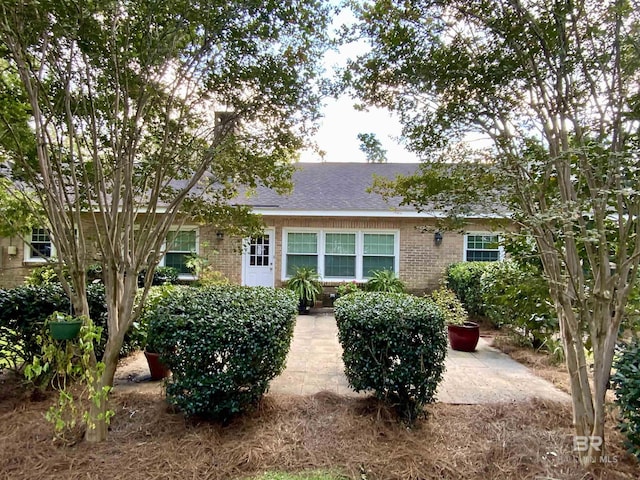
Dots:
{"x": 394, "y": 344}
{"x": 464, "y": 279}
{"x": 506, "y": 293}
{"x": 518, "y": 295}
{"x": 223, "y": 344}
{"x": 24, "y": 309}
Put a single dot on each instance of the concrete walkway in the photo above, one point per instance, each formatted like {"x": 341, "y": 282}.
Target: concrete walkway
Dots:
{"x": 315, "y": 364}
{"x": 485, "y": 376}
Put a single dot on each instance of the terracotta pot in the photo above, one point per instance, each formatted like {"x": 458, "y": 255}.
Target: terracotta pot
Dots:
{"x": 157, "y": 369}
{"x": 64, "y": 330}
{"x": 464, "y": 338}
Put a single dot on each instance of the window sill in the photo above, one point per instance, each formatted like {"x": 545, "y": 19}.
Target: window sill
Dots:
{"x": 35, "y": 261}
{"x": 183, "y": 277}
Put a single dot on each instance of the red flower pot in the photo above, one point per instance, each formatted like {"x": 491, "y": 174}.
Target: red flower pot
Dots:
{"x": 465, "y": 337}
{"x": 157, "y": 369}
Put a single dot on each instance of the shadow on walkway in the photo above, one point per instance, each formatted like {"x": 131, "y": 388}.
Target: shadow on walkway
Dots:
{"x": 485, "y": 376}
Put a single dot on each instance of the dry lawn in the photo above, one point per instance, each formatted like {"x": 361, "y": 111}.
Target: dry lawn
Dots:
{"x": 349, "y": 435}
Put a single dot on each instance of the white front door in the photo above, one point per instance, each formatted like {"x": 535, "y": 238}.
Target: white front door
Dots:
{"x": 257, "y": 261}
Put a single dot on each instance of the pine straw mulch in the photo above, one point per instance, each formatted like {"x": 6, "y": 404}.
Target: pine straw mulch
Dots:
{"x": 354, "y": 436}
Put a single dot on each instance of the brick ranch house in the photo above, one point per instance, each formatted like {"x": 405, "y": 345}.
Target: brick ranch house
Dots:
{"x": 329, "y": 222}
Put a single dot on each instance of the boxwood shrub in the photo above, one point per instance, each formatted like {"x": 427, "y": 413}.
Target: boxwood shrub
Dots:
{"x": 22, "y": 313}
{"x": 394, "y": 344}
{"x": 518, "y": 295}
{"x": 464, "y": 279}
{"x": 626, "y": 384}
{"x": 223, "y": 344}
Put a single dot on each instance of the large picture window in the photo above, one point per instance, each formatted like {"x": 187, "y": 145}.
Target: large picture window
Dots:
{"x": 341, "y": 255}
{"x": 482, "y": 248}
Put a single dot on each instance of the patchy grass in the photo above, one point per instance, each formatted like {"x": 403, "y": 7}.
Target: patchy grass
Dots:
{"x": 354, "y": 438}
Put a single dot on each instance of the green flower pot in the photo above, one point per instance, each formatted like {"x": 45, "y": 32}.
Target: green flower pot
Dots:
{"x": 64, "y": 330}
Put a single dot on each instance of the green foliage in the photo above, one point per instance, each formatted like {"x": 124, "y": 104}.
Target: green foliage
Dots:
{"x": 384, "y": 281}
{"x": 19, "y": 212}
{"x": 518, "y": 295}
{"x": 210, "y": 276}
{"x": 23, "y": 311}
{"x": 47, "y": 275}
{"x": 626, "y": 384}
{"x": 44, "y": 275}
{"x": 464, "y": 279}
{"x": 450, "y": 306}
{"x": 526, "y": 76}
{"x": 161, "y": 275}
{"x": 223, "y": 344}
{"x": 130, "y": 90}
{"x": 66, "y": 362}
{"x": 148, "y": 339}
{"x": 305, "y": 283}
{"x": 347, "y": 288}
{"x": 394, "y": 344}
{"x": 632, "y": 312}
{"x": 372, "y": 148}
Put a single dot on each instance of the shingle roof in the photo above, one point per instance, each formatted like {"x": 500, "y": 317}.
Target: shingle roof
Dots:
{"x": 333, "y": 187}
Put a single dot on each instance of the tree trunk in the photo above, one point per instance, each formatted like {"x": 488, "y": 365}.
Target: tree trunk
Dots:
{"x": 98, "y": 426}
{"x": 120, "y": 294}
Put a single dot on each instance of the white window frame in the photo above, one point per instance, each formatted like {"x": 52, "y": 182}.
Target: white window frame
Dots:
{"x": 183, "y": 228}
{"x": 321, "y": 232}
{"x": 27, "y": 249}
{"x": 493, "y": 234}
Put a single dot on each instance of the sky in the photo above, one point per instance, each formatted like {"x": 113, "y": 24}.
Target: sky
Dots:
{"x": 338, "y": 130}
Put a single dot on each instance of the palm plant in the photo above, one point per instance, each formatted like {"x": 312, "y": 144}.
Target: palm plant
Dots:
{"x": 385, "y": 281}
{"x": 307, "y": 286}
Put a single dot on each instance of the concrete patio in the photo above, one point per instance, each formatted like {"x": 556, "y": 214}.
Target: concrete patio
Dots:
{"x": 484, "y": 376}
{"x": 314, "y": 364}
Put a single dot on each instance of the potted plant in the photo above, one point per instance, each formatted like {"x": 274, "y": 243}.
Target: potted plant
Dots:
{"x": 385, "y": 281}
{"x": 463, "y": 334}
{"x": 63, "y": 326}
{"x": 346, "y": 288}
{"x": 157, "y": 368}
{"x": 306, "y": 284}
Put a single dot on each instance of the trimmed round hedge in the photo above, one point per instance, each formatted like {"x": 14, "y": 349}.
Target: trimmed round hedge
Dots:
{"x": 394, "y": 344}
{"x": 223, "y": 344}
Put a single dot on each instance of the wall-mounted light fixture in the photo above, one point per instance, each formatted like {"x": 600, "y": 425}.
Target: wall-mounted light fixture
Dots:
{"x": 437, "y": 238}
{"x": 220, "y": 235}
{"x": 12, "y": 250}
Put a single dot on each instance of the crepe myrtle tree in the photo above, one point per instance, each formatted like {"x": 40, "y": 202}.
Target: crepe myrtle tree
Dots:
{"x": 550, "y": 90}
{"x": 121, "y": 99}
